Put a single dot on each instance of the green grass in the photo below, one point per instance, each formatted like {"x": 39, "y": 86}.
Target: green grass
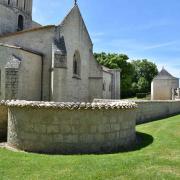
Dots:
{"x": 158, "y": 159}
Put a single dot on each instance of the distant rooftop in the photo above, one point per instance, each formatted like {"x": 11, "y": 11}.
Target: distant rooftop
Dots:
{"x": 164, "y": 74}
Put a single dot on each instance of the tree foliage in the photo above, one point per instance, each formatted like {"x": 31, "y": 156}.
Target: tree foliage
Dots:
{"x": 144, "y": 74}
{"x": 136, "y": 76}
{"x": 118, "y": 61}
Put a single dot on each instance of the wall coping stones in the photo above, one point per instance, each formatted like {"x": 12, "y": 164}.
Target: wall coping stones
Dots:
{"x": 134, "y": 101}
{"x": 71, "y": 105}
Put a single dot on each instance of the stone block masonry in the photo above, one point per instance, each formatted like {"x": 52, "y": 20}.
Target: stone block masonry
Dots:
{"x": 148, "y": 111}
{"x": 71, "y": 128}
{"x": 153, "y": 110}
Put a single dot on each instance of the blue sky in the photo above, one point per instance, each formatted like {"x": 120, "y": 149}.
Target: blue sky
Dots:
{"x": 139, "y": 28}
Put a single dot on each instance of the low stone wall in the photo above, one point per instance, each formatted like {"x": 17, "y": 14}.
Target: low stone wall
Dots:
{"x": 71, "y": 128}
{"x": 153, "y": 110}
{"x": 148, "y": 111}
{"x": 3, "y": 121}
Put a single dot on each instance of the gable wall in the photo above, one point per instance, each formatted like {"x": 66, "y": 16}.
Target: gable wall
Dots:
{"x": 67, "y": 87}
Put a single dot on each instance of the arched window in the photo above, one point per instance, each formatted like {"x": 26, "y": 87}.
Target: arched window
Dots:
{"x": 76, "y": 64}
{"x": 20, "y": 23}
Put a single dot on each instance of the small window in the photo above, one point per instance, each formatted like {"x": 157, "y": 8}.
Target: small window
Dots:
{"x": 76, "y": 64}
{"x": 9, "y": 1}
{"x": 20, "y": 23}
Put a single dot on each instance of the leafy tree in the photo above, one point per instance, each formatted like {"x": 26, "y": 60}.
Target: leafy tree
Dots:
{"x": 142, "y": 85}
{"x": 119, "y": 61}
{"x": 136, "y": 76}
{"x": 145, "y": 71}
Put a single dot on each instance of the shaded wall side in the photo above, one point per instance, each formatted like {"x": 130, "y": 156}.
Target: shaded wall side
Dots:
{"x": 3, "y": 121}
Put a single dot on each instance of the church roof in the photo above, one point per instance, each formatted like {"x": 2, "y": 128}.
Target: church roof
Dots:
{"x": 164, "y": 74}
{"x": 21, "y": 48}
{"x": 75, "y": 8}
{"x": 27, "y": 30}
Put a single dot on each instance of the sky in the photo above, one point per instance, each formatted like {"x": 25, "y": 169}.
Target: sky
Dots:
{"x": 142, "y": 29}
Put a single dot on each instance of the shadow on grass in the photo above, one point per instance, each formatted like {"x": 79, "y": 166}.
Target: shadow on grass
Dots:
{"x": 143, "y": 140}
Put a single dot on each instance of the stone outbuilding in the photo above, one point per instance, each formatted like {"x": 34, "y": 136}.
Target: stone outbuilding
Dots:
{"x": 163, "y": 85}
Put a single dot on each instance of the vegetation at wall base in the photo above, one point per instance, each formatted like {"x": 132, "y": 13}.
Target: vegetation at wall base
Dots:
{"x": 141, "y": 95}
{"x": 158, "y": 157}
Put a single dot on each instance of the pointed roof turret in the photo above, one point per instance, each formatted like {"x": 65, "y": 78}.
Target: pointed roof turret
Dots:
{"x": 164, "y": 74}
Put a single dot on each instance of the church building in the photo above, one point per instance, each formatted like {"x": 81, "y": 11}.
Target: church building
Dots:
{"x": 50, "y": 63}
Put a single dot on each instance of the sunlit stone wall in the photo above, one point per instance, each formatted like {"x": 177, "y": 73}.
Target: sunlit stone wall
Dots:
{"x": 71, "y": 128}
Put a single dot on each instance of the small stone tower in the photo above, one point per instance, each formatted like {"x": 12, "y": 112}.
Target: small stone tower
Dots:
{"x": 15, "y": 15}
{"x": 162, "y": 85}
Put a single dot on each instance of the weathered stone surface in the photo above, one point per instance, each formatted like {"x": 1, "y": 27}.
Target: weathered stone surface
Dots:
{"x": 162, "y": 85}
{"x": 150, "y": 110}
{"x": 89, "y": 130}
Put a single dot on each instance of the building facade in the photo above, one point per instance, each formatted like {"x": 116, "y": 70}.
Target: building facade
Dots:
{"x": 50, "y": 63}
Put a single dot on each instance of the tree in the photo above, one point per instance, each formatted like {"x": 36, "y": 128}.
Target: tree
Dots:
{"x": 142, "y": 85}
{"x": 119, "y": 61}
{"x": 145, "y": 71}
{"x": 136, "y": 76}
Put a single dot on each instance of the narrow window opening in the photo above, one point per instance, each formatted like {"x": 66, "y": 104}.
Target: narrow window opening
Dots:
{"x": 24, "y": 4}
{"x": 20, "y": 23}
{"x": 75, "y": 67}
{"x": 9, "y": 1}
{"x": 76, "y": 64}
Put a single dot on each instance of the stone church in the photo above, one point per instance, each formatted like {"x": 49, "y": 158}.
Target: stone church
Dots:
{"x": 50, "y": 63}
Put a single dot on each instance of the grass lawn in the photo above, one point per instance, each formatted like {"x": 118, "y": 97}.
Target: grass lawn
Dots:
{"x": 158, "y": 158}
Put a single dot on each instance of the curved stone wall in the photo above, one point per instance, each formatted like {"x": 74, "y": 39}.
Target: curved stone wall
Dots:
{"x": 71, "y": 128}
{"x": 151, "y": 110}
